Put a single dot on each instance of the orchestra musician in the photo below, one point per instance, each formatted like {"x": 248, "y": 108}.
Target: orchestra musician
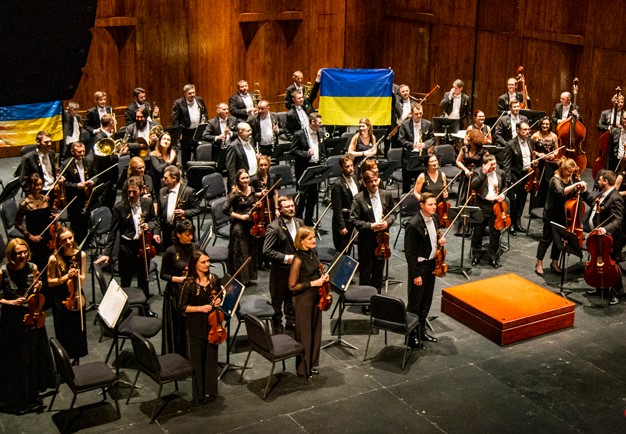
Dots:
{"x": 363, "y": 144}
{"x": 402, "y": 104}
{"x": 132, "y": 216}
{"x": 562, "y": 187}
{"x": 298, "y": 78}
{"x": 199, "y": 298}
{"x": 420, "y": 247}
{"x": 93, "y": 121}
{"x": 265, "y": 129}
{"x": 41, "y": 161}
{"x": 511, "y": 94}
{"x": 617, "y": 146}
{"x": 308, "y": 150}
{"x": 470, "y": 157}
{"x": 137, "y": 167}
{"x": 139, "y": 103}
{"x": 518, "y": 156}
{"x": 366, "y": 215}
{"x": 241, "y": 104}
{"x": 26, "y": 362}
{"x": 342, "y": 192}
{"x": 417, "y": 139}
{"x": 280, "y": 249}
{"x": 66, "y": 268}
{"x": 73, "y": 130}
{"x": 176, "y": 201}
{"x": 488, "y": 180}
{"x": 507, "y": 128}
{"x": 102, "y": 163}
{"x": 431, "y": 181}
{"x": 456, "y": 105}
{"x": 219, "y": 132}
{"x": 188, "y": 112}
{"x": 545, "y": 142}
{"x": 610, "y": 217}
{"x": 305, "y": 279}
{"x": 478, "y": 123}
{"x": 263, "y": 180}
{"x": 241, "y": 244}
{"x": 241, "y": 154}
{"x": 163, "y": 155}
{"x": 141, "y": 126}
{"x": 175, "y": 267}
{"x": 297, "y": 118}
{"x": 607, "y": 121}
{"x": 79, "y": 177}
{"x": 565, "y": 109}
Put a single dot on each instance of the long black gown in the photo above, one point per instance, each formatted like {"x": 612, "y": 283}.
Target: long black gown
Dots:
{"x": 241, "y": 243}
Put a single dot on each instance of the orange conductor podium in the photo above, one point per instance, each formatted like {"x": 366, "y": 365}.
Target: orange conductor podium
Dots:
{"x": 507, "y": 308}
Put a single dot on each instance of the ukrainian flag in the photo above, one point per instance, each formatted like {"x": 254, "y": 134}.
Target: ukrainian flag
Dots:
{"x": 19, "y": 124}
{"x": 347, "y": 95}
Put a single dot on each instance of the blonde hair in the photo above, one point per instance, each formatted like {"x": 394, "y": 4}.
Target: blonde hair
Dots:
{"x": 303, "y": 232}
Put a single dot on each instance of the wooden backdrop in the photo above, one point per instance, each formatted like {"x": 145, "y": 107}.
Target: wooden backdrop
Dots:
{"x": 163, "y": 44}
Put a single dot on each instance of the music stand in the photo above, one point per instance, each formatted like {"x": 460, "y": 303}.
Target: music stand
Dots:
{"x": 11, "y": 190}
{"x": 567, "y": 243}
{"x": 96, "y": 196}
{"x": 109, "y": 311}
{"x": 471, "y": 214}
{"x": 496, "y": 151}
{"x": 197, "y": 135}
{"x": 447, "y": 125}
{"x": 533, "y": 115}
{"x": 230, "y": 302}
{"x": 340, "y": 278}
{"x": 313, "y": 175}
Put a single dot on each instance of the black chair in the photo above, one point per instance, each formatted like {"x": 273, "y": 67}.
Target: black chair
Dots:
{"x": 217, "y": 254}
{"x": 215, "y": 187}
{"x": 83, "y": 378}
{"x": 389, "y": 314}
{"x": 447, "y": 160}
{"x": 355, "y": 295}
{"x": 334, "y": 172}
{"x": 136, "y": 297}
{"x": 534, "y": 214}
{"x": 10, "y": 190}
{"x": 8, "y": 211}
{"x": 99, "y": 238}
{"x": 287, "y": 180}
{"x": 395, "y": 155}
{"x": 275, "y": 348}
{"x": 3, "y": 246}
{"x": 162, "y": 369}
{"x": 219, "y": 220}
{"x": 408, "y": 209}
{"x": 204, "y": 152}
{"x": 255, "y": 305}
{"x": 195, "y": 173}
{"x": 27, "y": 149}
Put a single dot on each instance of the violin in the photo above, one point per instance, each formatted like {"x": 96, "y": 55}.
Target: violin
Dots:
{"x": 502, "y": 218}
{"x": 217, "y": 331}
{"x": 75, "y": 299}
{"x": 326, "y": 296}
{"x": 572, "y": 134}
{"x": 53, "y": 235}
{"x": 601, "y": 271}
{"x": 383, "y": 251}
{"x": 532, "y": 185}
{"x": 36, "y": 317}
{"x": 441, "y": 267}
{"x": 605, "y": 138}
{"x": 574, "y": 211}
{"x": 261, "y": 214}
{"x": 442, "y": 210}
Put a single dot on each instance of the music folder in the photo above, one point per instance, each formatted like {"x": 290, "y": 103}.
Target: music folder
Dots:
{"x": 343, "y": 272}
{"x": 231, "y": 297}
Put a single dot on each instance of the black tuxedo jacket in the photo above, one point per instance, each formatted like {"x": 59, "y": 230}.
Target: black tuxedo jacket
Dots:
{"x": 417, "y": 243}
{"x": 396, "y": 114}
{"x": 362, "y": 217}
{"x": 235, "y": 159}
{"x": 406, "y": 137}
{"x": 299, "y": 150}
{"x": 122, "y": 222}
{"x": 189, "y": 202}
{"x": 465, "y": 114}
{"x": 238, "y": 108}
{"x": 68, "y": 123}
{"x": 481, "y": 185}
{"x": 558, "y": 112}
{"x": 278, "y": 242}
{"x": 513, "y": 162}
{"x": 92, "y": 121}
{"x": 72, "y": 179}
{"x": 611, "y": 206}
{"x": 129, "y": 113}
{"x": 504, "y": 100}
{"x": 504, "y": 130}
{"x": 255, "y": 124}
{"x": 31, "y": 164}
{"x": 612, "y": 151}
{"x": 292, "y": 121}
{"x": 213, "y": 130}
{"x": 605, "y": 119}
{"x": 341, "y": 199}
{"x": 131, "y": 130}
{"x": 180, "y": 112}
{"x": 288, "y": 100}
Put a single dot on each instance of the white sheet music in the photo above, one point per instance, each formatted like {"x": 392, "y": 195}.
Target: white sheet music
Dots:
{"x": 112, "y": 304}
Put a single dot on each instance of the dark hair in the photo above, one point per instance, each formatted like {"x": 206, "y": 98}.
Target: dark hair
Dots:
{"x": 425, "y": 196}
{"x": 181, "y": 227}
{"x": 137, "y": 91}
{"x": 343, "y": 159}
{"x": 608, "y": 175}
{"x": 32, "y": 180}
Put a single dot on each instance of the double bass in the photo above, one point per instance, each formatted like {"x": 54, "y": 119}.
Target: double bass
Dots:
{"x": 521, "y": 79}
{"x": 572, "y": 134}
{"x": 605, "y": 138}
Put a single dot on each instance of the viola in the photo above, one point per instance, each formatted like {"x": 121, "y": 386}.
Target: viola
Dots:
{"x": 532, "y": 185}
{"x": 75, "y": 299}
{"x": 383, "y": 250}
{"x": 503, "y": 219}
{"x": 326, "y": 296}
{"x": 601, "y": 271}
{"x": 36, "y": 317}
{"x": 217, "y": 331}
{"x": 443, "y": 208}
{"x": 605, "y": 138}
{"x": 572, "y": 134}
{"x": 441, "y": 267}
{"x": 574, "y": 211}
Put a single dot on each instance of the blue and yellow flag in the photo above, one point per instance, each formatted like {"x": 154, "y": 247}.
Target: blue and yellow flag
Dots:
{"x": 347, "y": 95}
{"x": 19, "y": 124}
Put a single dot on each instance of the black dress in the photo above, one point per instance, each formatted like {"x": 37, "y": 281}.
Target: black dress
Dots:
{"x": 546, "y": 169}
{"x": 361, "y": 147}
{"x": 26, "y": 366}
{"x": 241, "y": 244}
{"x": 175, "y": 259}
{"x": 67, "y": 323}
{"x": 554, "y": 210}
{"x": 433, "y": 187}
{"x": 471, "y": 162}
{"x": 32, "y": 217}
{"x": 304, "y": 269}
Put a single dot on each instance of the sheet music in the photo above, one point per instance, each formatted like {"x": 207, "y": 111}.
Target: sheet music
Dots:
{"x": 112, "y": 304}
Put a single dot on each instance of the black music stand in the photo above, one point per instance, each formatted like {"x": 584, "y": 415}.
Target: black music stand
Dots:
{"x": 230, "y": 302}
{"x": 533, "y": 116}
{"x": 447, "y": 126}
{"x": 197, "y": 135}
{"x": 567, "y": 243}
{"x": 313, "y": 175}
{"x": 96, "y": 196}
{"x": 470, "y": 214}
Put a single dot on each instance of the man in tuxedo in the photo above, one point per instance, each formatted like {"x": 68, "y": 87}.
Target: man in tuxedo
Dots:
{"x": 298, "y": 78}
{"x": 608, "y": 222}
{"x": 420, "y": 248}
{"x": 265, "y": 128}
{"x": 78, "y": 176}
{"x": 607, "y": 120}
{"x": 41, "y": 161}
{"x": 297, "y": 118}
{"x": 488, "y": 181}
{"x": 366, "y": 215}
{"x": 176, "y": 202}
{"x": 94, "y": 114}
{"x": 517, "y": 162}
{"x": 510, "y": 95}
{"x": 455, "y": 104}
{"x": 219, "y": 132}
{"x": 307, "y": 148}
{"x": 507, "y": 127}
{"x": 188, "y": 112}
{"x": 104, "y": 162}
{"x": 342, "y": 193}
{"x": 72, "y": 128}
{"x": 241, "y": 104}
{"x": 132, "y": 215}
{"x": 141, "y": 127}
{"x": 565, "y": 109}
{"x": 402, "y": 106}
{"x": 616, "y": 150}
{"x": 241, "y": 153}
{"x": 416, "y": 137}
{"x": 139, "y": 95}
{"x": 279, "y": 248}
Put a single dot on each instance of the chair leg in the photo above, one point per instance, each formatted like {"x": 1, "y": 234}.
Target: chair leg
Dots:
{"x": 284, "y": 367}
{"x": 156, "y": 404}
{"x": 176, "y": 385}
{"x": 244, "y": 366}
{"x": 398, "y": 236}
{"x": 69, "y": 413}
{"x": 133, "y": 388}
{"x": 56, "y": 392}
{"x": 269, "y": 380}
{"x": 158, "y": 281}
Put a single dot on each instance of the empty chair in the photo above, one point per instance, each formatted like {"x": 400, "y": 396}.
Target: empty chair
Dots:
{"x": 276, "y": 348}
{"x": 389, "y": 314}
{"x": 255, "y": 305}
{"x": 136, "y": 297}
{"x": 162, "y": 369}
{"x": 8, "y": 211}
{"x": 355, "y": 295}
{"x": 10, "y": 191}
{"x": 408, "y": 209}
{"x": 217, "y": 254}
{"x": 215, "y": 187}
{"x": 99, "y": 238}
{"x": 287, "y": 181}
{"x": 447, "y": 160}
{"x": 219, "y": 220}
{"x": 195, "y": 173}
{"x": 204, "y": 152}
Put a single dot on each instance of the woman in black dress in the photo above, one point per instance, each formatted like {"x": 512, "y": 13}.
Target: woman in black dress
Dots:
{"x": 174, "y": 271}
{"x": 68, "y": 267}
{"x": 478, "y": 123}
{"x": 470, "y": 157}
{"x": 163, "y": 155}
{"x": 239, "y": 204}
{"x": 305, "y": 279}
{"x": 199, "y": 298}
{"x": 363, "y": 144}
{"x": 26, "y": 367}
{"x": 545, "y": 142}
{"x": 432, "y": 180}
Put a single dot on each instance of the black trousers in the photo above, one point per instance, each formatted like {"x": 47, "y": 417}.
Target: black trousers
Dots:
{"x": 203, "y": 357}
{"x": 281, "y": 295}
{"x": 479, "y": 229}
{"x": 371, "y": 268}
{"x": 129, "y": 265}
{"x": 518, "y": 202}
{"x": 307, "y": 203}
{"x": 420, "y": 297}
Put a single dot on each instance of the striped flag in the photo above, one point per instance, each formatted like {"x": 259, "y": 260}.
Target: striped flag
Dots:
{"x": 19, "y": 124}
{"x": 347, "y": 95}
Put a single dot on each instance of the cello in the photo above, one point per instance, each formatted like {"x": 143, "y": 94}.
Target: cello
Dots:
{"x": 601, "y": 271}
{"x": 574, "y": 211}
{"x": 605, "y": 138}
{"x": 572, "y": 133}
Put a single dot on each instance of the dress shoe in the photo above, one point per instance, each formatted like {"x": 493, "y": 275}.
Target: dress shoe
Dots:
{"x": 613, "y": 301}
{"x": 555, "y": 270}
{"x": 512, "y": 232}
{"x": 365, "y": 310}
{"x": 539, "y": 273}
{"x": 428, "y": 338}
{"x": 152, "y": 314}
{"x": 412, "y": 342}
{"x": 475, "y": 261}
{"x": 494, "y": 263}
{"x": 520, "y": 229}
{"x": 315, "y": 372}
{"x": 597, "y": 292}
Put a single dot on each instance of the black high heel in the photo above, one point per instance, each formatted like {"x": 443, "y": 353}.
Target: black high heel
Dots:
{"x": 555, "y": 270}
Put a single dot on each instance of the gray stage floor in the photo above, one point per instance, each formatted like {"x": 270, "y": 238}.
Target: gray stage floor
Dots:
{"x": 564, "y": 382}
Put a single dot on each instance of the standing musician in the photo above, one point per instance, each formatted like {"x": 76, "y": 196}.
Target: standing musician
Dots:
{"x": 402, "y": 105}
{"x": 363, "y": 144}
{"x": 104, "y": 162}
{"x": 507, "y": 128}
{"x": 342, "y": 192}
{"x": 241, "y": 104}
{"x": 545, "y": 142}
{"x": 162, "y": 156}
{"x": 241, "y": 153}
{"x": 73, "y": 130}
{"x": 280, "y": 249}
{"x": 470, "y": 157}
{"x": 66, "y": 276}
{"x": 188, "y": 112}
{"x": 565, "y": 109}
{"x": 456, "y": 105}
{"x": 511, "y": 94}
{"x": 518, "y": 155}
{"x": 177, "y": 201}
{"x": 478, "y": 123}
{"x": 137, "y": 167}
{"x": 420, "y": 247}
{"x": 26, "y": 362}
{"x": 261, "y": 183}
{"x": 606, "y": 121}
{"x": 175, "y": 270}
{"x": 487, "y": 181}
{"x": 41, "y": 161}
{"x": 93, "y": 121}
{"x": 265, "y": 129}
{"x": 610, "y": 217}
{"x": 199, "y": 298}
{"x": 366, "y": 215}
{"x": 78, "y": 184}
{"x": 220, "y": 131}
{"x": 308, "y": 150}
{"x": 562, "y": 187}
{"x": 132, "y": 216}
{"x": 417, "y": 138}
{"x": 139, "y": 102}
{"x": 305, "y": 280}
{"x": 297, "y": 118}
{"x": 616, "y": 152}
{"x": 298, "y": 79}
{"x": 432, "y": 181}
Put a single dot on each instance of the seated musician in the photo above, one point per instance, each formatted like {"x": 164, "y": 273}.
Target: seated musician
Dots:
{"x": 363, "y": 144}
{"x": 487, "y": 181}
{"x": 141, "y": 127}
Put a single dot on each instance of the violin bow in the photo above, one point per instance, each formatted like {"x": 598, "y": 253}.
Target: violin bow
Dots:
{"x": 104, "y": 171}
{"x": 56, "y": 181}
{"x": 529, "y": 173}
{"x": 352, "y": 238}
{"x": 469, "y": 197}
{"x": 264, "y": 196}
{"x": 224, "y": 287}
{"x": 40, "y": 274}
{"x": 448, "y": 183}
{"x": 54, "y": 220}
{"x": 396, "y": 206}
{"x": 490, "y": 129}
{"x": 319, "y": 220}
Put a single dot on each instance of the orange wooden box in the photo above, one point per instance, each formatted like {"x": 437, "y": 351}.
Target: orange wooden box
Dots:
{"x": 507, "y": 308}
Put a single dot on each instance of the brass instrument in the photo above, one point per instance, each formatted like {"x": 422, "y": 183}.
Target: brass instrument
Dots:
{"x": 112, "y": 113}
{"x": 256, "y": 95}
{"x": 157, "y": 131}
{"x": 306, "y": 89}
{"x": 104, "y": 147}
{"x": 156, "y": 118}
{"x": 140, "y": 147}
